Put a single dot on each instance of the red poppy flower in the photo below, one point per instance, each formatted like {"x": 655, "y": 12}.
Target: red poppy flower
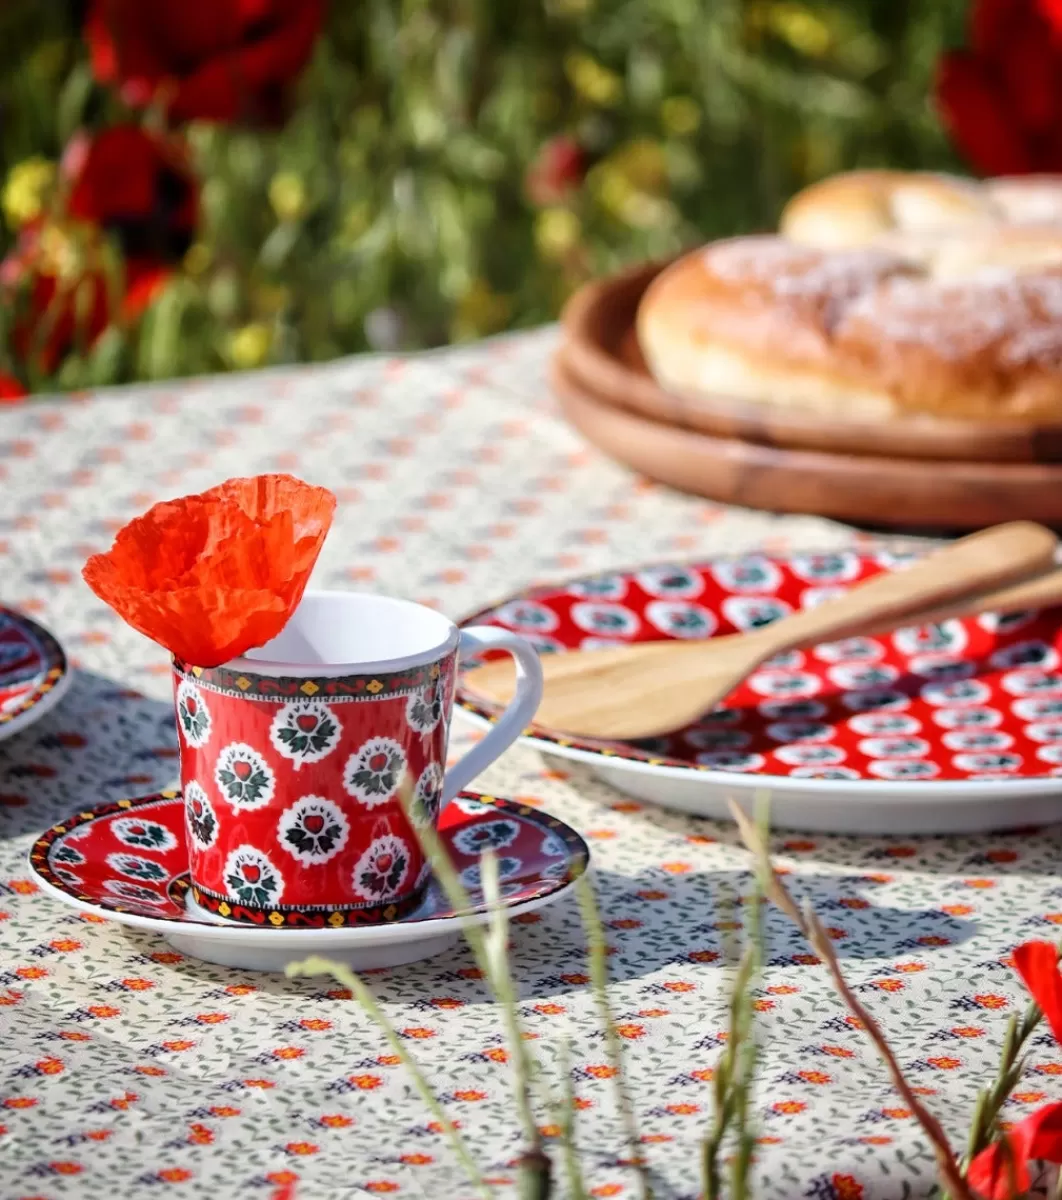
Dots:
{"x": 1037, "y": 964}
{"x": 1001, "y": 99}
{"x": 211, "y": 575}
{"x": 136, "y": 185}
{"x": 558, "y": 169}
{"x": 11, "y": 391}
{"x": 1001, "y": 1171}
{"x": 61, "y": 294}
{"x": 213, "y": 60}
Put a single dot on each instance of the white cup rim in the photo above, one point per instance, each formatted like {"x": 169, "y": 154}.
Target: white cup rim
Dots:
{"x": 432, "y": 635}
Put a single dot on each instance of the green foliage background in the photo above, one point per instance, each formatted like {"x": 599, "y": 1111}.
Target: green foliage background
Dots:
{"x": 391, "y": 210}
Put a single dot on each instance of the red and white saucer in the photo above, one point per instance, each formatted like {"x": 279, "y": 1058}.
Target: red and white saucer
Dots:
{"x": 129, "y": 862}
{"x": 34, "y": 673}
{"x": 949, "y": 728}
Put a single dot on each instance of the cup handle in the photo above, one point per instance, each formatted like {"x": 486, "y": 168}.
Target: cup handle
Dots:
{"x": 516, "y": 717}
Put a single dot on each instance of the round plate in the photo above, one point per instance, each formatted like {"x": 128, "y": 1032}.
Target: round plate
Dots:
{"x": 948, "y": 728}
{"x": 603, "y": 353}
{"x": 887, "y": 492}
{"x": 129, "y": 862}
{"x": 34, "y": 673}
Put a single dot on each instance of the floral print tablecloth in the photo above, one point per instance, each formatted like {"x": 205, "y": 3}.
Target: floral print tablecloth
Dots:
{"x": 126, "y": 1069}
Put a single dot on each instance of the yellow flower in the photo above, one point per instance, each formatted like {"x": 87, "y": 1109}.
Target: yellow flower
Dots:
{"x": 680, "y": 115}
{"x": 287, "y": 195}
{"x": 26, "y": 189}
{"x": 249, "y": 346}
{"x": 643, "y": 163}
{"x": 197, "y": 258}
{"x": 557, "y": 232}
{"x": 59, "y": 253}
{"x": 592, "y": 81}
{"x": 480, "y": 311}
{"x": 801, "y": 28}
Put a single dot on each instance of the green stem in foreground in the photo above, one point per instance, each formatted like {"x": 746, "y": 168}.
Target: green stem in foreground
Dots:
{"x": 984, "y": 1125}
{"x": 598, "y": 961}
{"x": 535, "y": 1167}
{"x": 565, "y": 1112}
{"x": 342, "y": 974}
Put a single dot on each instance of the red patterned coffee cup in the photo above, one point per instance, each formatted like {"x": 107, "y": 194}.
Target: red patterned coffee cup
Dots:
{"x": 293, "y": 756}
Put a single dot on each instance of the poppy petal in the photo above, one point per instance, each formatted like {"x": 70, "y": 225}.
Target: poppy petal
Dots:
{"x": 975, "y": 113}
{"x": 1037, "y": 964}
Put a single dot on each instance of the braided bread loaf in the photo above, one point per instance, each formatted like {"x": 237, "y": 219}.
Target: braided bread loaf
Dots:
{"x": 868, "y": 332}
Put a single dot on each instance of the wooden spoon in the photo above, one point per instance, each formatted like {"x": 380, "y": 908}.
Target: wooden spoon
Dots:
{"x": 649, "y": 688}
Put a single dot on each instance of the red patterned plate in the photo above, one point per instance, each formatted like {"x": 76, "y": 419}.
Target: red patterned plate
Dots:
{"x": 945, "y": 728}
{"x": 33, "y": 672}
{"x": 129, "y": 862}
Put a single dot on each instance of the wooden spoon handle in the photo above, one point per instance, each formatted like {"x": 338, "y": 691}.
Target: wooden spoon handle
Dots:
{"x": 1045, "y": 591}
{"x": 977, "y": 563}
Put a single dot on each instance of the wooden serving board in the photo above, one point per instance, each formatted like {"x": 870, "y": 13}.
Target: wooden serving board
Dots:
{"x": 894, "y": 493}
{"x": 603, "y": 351}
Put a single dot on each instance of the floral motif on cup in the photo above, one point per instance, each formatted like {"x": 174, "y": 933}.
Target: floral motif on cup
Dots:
{"x": 472, "y": 877}
{"x": 200, "y": 817}
{"x": 252, "y": 879}
{"x": 134, "y": 892}
{"x": 427, "y": 796}
{"x": 313, "y": 830}
{"x": 305, "y": 731}
{"x": 380, "y": 873}
{"x": 424, "y": 708}
{"x": 492, "y": 835}
{"x": 150, "y": 835}
{"x": 373, "y": 773}
{"x": 135, "y": 867}
{"x": 193, "y": 716}
{"x": 243, "y": 777}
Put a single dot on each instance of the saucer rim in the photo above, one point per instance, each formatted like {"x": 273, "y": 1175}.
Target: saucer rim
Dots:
{"x": 664, "y": 767}
{"x": 42, "y": 699}
{"x": 366, "y": 935}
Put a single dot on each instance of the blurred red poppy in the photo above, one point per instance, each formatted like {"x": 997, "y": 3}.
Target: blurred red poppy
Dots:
{"x": 1001, "y": 1172}
{"x": 1037, "y": 964}
{"x": 213, "y": 60}
{"x": 1001, "y": 99}
{"x": 127, "y": 182}
{"x": 11, "y": 391}
{"x": 61, "y": 294}
{"x": 137, "y": 186}
{"x": 558, "y": 169}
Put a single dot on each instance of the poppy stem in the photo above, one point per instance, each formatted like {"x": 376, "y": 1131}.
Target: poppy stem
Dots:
{"x": 984, "y": 1125}
{"x": 809, "y": 925}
